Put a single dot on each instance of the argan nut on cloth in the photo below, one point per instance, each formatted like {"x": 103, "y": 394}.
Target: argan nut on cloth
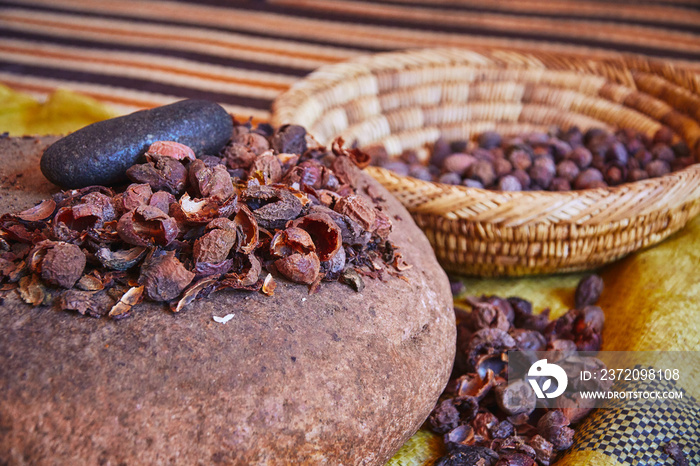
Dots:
{"x": 342, "y": 374}
{"x": 100, "y": 153}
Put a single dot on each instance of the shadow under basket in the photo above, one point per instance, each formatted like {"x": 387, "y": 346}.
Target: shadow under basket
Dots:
{"x": 405, "y": 100}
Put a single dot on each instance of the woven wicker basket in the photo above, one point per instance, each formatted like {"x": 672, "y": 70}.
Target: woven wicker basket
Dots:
{"x": 407, "y": 99}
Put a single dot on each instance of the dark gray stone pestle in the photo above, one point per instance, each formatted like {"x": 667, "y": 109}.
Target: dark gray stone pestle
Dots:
{"x": 100, "y": 153}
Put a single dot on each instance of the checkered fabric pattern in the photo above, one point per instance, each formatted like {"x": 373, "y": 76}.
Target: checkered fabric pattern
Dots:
{"x": 634, "y": 432}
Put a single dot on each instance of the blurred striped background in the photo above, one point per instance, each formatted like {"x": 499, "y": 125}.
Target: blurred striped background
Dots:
{"x": 134, "y": 54}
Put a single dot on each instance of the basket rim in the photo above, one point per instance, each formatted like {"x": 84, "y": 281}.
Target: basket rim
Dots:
{"x": 329, "y": 75}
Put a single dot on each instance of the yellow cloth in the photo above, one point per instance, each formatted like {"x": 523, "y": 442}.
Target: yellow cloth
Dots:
{"x": 64, "y": 111}
{"x": 651, "y": 302}
{"x": 651, "y": 298}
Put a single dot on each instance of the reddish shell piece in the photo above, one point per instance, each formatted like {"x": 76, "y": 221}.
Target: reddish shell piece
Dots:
{"x": 203, "y": 269}
{"x": 134, "y": 195}
{"x": 162, "y": 200}
{"x": 247, "y": 231}
{"x": 37, "y": 253}
{"x": 79, "y": 301}
{"x": 66, "y": 227}
{"x": 291, "y": 240}
{"x": 146, "y": 226}
{"x": 171, "y": 149}
{"x": 210, "y": 182}
{"x": 164, "y": 277}
{"x": 382, "y": 225}
{"x": 31, "y": 290}
{"x": 214, "y": 246}
{"x": 268, "y": 166}
{"x": 222, "y": 223}
{"x": 300, "y": 268}
{"x": 202, "y": 211}
{"x": 192, "y": 292}
{"x": 358, "y": 208}
{"x": 120, "y": 260}
{"x": 160, "y": 172}
{"x": 88, "y": 210}
{"x": 63, "y": 265}
{"x": 248, "y": 270}
{"x": 324, "y": 232}
{"x": 103, "y": 204}
{"x": 359, "y": 157}
{"x": 39, "y": 212}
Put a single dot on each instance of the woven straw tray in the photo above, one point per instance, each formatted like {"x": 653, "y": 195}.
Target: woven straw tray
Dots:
{"x": 404, "y": 100}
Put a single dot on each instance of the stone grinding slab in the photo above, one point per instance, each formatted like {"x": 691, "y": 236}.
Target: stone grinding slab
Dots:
{"x": 337, "y": 377}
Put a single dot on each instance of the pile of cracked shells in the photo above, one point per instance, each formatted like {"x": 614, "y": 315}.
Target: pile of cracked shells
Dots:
{"x": 268, "y": 207}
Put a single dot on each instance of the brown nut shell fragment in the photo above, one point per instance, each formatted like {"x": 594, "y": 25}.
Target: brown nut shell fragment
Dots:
{"x": 90, "y": 282}
{"x": 97, "y": 204}
{"x": 256, "y": 143}
{"x": 290, "y": 241}
{"x": 162, "y": 200}
{"x": 193, "y": 292}
{"x": 326, "y": 235}
{"x": 335, "y": 265}
{"x": 63, "y": 265}
{"x": 246, "y": 271}
{"x": 359, "y": 157}
{"x": 300, "y": 268}
{"x": 222, "y": 224}
{"x": 202, "y": 269}
{"x": 268, "y": 166}
{"x": 164, "y": 277}
{"x": 359, "y": 209}
{"x": 327, "y": 198}
{"x": 247, "y": 231}
{"x": 171, "y": 149}
{"x": 121, "y": 259}
{"x": 474, "y": 385}
{"x": 128, "y": 300}
{"x": 269, "y": 285}
{"x": 146, "y": 226}
{"x": 134, "y": 195}
{"x": 89, "y": 303}
{"x": 273, "y": 207}
{"x": 201, "y": 211}
{"x": 307, "y": 174}
{"x": 516, "y": 398}
{"x": 39, "y": 212}
{"x": 382, "y": 225}
{"x": 238, "y": 156}
{"x": 214, "y": 183}
{"x": 31, "y": 290}
{"x": 214, "y": 246}
{"x": 36, "y": 255}
{"x": 346, "y": 171}
{"x": 14, "y": 230}
{"x": 161, "y": 173}
{"x": 66, "y": 227}
{"x": 351, "y": 231}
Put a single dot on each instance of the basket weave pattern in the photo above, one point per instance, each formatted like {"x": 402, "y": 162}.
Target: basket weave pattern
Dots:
{"x": 407, "y": 99}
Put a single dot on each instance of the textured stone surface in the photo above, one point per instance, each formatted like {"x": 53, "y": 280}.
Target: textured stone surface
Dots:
{"x": 338, "y": 377}
{"x": 101, "y": 152}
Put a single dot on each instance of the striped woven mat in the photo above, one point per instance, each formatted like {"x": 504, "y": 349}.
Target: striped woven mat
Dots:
{"x": 133, "y": 54}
